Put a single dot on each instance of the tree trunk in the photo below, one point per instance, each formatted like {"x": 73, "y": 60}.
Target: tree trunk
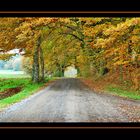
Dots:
{"x": 42, "y": 64}
{"x": 36, "y": 61}
{"x": 33, "y": 70}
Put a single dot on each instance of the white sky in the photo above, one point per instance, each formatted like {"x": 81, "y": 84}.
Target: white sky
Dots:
{"x": 14, "y": 51}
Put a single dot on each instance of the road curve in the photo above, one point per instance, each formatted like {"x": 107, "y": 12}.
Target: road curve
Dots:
{"x": 69, "y": 100}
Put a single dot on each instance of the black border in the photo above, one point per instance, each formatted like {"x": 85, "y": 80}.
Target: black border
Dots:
{"x": 69, "y": 5}
{"x": 69, "y": 13}
{"x": 70, "y": 126}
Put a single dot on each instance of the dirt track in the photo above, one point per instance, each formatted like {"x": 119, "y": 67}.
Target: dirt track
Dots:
{"x": 69, "y": 100}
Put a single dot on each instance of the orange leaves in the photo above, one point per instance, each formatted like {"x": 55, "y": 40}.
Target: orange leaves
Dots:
{"x": 118, "y": 55}
{"x": 65, "y": 20}
{"x": 115, "y": 40}
{"x": 82, "y": 59}
{"x": 135, "y": 39}
{"x": 136, "y": 21}
{"x": 102, "y": 37}
{"x": 121, "y": 62}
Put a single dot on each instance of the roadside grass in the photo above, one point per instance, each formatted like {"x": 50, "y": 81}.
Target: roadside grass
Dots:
{"x": 112, "y": 87}
{"x": 28, "y": 88}
{"x": 123, "y": 92}
{"x": 13, "y": 83}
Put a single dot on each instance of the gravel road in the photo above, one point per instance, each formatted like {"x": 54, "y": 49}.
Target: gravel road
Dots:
{"x": 69, "y": 100}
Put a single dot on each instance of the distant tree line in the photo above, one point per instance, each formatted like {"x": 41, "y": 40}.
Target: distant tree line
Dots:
{"x": 11, "y": 64}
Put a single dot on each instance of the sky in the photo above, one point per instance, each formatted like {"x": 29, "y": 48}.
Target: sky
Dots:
{"x": 14, "y": 51}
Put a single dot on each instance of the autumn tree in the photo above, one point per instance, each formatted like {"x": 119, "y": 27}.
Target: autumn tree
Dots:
{"x": 30, "y": 35}
{"x": 91, "y": 44}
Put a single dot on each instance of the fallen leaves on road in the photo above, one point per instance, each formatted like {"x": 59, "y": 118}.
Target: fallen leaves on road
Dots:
{"x": 131, "y": 111}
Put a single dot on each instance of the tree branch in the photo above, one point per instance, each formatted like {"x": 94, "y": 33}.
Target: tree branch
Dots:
{"x": 74, "y": 36}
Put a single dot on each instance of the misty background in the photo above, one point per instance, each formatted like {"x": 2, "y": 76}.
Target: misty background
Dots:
{"x": 14, "y": 64}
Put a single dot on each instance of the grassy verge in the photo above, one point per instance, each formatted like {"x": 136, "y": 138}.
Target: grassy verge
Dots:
{"x": 102, "y": 86}
{"x": 123, "y": 93}
{"x": 28, "y": 88}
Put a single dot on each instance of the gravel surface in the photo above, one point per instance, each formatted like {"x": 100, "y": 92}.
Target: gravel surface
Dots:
{"x": 69, "y": 100}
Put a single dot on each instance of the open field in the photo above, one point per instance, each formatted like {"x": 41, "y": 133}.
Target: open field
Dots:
{"x": 13, "y": 74}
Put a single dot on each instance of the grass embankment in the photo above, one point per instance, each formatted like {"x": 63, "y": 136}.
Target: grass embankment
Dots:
{"x": 112, "y": 84}
{"x": 124, "y": 93}
{"x": 27, "y": 88}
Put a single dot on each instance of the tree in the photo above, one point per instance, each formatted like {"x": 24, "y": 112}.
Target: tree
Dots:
{"x": 27, "y": 35}
{"x": 91, "y": 44}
